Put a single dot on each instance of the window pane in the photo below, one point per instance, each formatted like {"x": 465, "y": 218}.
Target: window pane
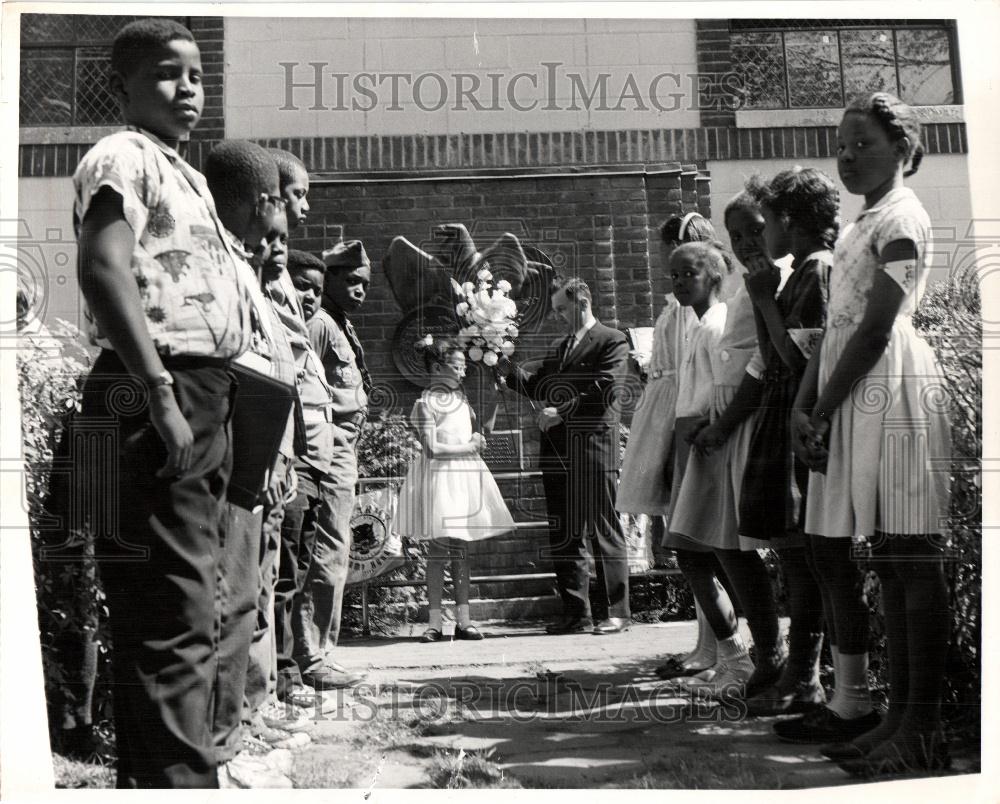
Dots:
{"x": 759, "y": 59}
{"x": 924, "y": 67}
{"x": 95, "y": 105}
{"x": 46, "y": 87}
{"x": 813, "y": 69}
{"x": 39, "y": 28}
{"x": 869, "y": 64}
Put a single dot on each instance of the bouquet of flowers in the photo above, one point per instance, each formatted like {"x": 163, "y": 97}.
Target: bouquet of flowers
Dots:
{"x": 488, "y": 319}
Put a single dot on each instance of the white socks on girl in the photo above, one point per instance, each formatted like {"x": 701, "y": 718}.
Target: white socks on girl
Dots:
{"x": 851, "y": 696}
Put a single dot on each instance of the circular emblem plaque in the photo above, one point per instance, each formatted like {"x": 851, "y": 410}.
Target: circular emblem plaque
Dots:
{"x": 373, "y": 550}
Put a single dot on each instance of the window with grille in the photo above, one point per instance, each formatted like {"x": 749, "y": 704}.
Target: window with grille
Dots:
{"x": 65, "y": 59}
{"x": 797, "y": 64}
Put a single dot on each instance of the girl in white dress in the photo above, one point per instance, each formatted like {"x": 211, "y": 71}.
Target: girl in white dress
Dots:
{"x": 449, "y": 497}
{"x": 870, "y": 420}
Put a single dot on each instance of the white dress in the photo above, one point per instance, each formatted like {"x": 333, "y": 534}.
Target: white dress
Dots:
{"x": 452, "y": 497}
{"x": 643, "y": 488}
{"x": 890, "y": 450}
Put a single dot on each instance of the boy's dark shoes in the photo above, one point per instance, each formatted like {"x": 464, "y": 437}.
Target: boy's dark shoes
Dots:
{"x": 81, "y": 742}
{"x": 431, "y": 635}
{"x": 825, "y": 726}
{"x": 469, "y": 632}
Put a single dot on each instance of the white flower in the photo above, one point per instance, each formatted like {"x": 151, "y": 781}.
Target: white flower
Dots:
{"x": 490, "y": 358}
{"x": 468, "y": 288}
{"x": 512, "y": 331}
{"x": 507, "y": 348}
{"x": 427, "y": 340}
{"x": 484, "y": 275}
{"x": 462, "y": 308}
{"x": 503, "y": 286}
{"x": 475, "y": 354}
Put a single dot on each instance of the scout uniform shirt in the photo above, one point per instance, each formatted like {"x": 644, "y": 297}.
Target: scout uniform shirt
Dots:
{"x": 341, "y": 363}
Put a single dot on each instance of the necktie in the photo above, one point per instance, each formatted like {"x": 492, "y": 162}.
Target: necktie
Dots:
{"x": 569, "y": 348}
{"x": 359, "y": 355}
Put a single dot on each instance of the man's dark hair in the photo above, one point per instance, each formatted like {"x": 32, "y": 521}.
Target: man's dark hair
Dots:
{"x": 138, "y": 39}
{"x": 574, "y": 288}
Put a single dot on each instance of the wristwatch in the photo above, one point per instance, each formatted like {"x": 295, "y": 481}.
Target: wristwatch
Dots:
{"x": 163, "y": 378}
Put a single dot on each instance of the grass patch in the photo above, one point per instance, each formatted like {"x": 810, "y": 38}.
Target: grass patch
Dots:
{"x": 468, "y": 770}
{"x": 735, "y": 773}
{"x": 75, "y": 775}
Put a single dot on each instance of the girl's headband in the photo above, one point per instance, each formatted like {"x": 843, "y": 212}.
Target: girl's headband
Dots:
{"x": 684, "y": 224}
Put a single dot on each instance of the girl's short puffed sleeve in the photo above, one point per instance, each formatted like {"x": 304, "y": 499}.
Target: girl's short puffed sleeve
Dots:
{"x": 126, "y": 163}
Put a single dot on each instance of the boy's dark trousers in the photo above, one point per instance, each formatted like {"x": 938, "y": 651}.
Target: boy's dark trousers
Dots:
{"x": 160, "y": 565}
{"x": 298, "y": 538}
{"x": 239, "y": 578}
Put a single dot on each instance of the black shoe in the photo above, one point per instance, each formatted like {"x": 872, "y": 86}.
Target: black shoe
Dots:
{"x": 802, "y": 698}
{"x": 612, "y": 625}
{"x": 825, "y": 726}
{"x": 570, "y": 625}
{"x": 469, "y": 632}
{"x": 431, "y": 635}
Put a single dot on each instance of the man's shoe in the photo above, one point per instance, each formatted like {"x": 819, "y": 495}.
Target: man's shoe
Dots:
{"x": 431, "y": 635}
{"x": 570, "y": 625}
{"x": 802, "y": 698}
{"x": 612, "y": 625}
{"x": 825, "y": 726}
{"x": 469, "y": 632}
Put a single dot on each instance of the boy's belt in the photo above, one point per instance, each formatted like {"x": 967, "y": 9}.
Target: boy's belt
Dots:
{"x": 328, "y": 415}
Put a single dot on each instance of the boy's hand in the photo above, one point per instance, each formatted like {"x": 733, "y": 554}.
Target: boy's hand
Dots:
{"x": 699, "y": 425}
{"x": 173, "y": 429}
{"x": 477, "y": 442}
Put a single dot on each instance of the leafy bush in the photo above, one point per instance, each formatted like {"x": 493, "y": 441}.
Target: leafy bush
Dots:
{"x": 71, "y": 613}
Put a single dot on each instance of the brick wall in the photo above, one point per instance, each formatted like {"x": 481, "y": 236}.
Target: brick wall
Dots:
{"x": 714, "y": 59}
{"x": 209, "y": 33}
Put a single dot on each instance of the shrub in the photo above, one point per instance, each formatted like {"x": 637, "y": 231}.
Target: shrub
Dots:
{"x": 71, "y": 613}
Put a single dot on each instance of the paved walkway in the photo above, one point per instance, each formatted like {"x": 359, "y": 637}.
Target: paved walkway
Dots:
{"x": 563, "y": 711}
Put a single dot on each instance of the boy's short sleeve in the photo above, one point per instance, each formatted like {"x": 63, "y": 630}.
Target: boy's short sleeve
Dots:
{"x": 126, "y": 163}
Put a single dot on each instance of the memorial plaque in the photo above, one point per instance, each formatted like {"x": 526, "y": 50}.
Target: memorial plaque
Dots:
{"x": 503, "y": 451}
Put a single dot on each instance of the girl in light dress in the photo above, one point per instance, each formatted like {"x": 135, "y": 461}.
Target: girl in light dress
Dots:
{"x": 647, "y": 468}
{"x": 449, "y": 497}
{"x": 698, "y": 271}
{"x": 870, "y": 420}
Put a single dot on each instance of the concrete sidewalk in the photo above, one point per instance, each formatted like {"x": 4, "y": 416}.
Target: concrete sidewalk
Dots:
{"x": 567, "y": 711}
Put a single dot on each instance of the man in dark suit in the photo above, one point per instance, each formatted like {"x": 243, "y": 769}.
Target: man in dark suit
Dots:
{"x": 577, "y": 386}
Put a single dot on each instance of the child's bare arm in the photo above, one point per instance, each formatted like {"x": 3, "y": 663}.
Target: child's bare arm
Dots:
{"x": 868, "y": 343}
{"x": 106, "y": 281}
{"x": 427, "y": 433}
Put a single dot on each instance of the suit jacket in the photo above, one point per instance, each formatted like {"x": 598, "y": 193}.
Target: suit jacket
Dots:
{"x": 584, "y": 388}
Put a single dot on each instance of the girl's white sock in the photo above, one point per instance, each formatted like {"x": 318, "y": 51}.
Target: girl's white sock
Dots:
{"x": 851, "y": 696}
{"x": 732, "y": 649}
{"x": 462, "y": 615}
